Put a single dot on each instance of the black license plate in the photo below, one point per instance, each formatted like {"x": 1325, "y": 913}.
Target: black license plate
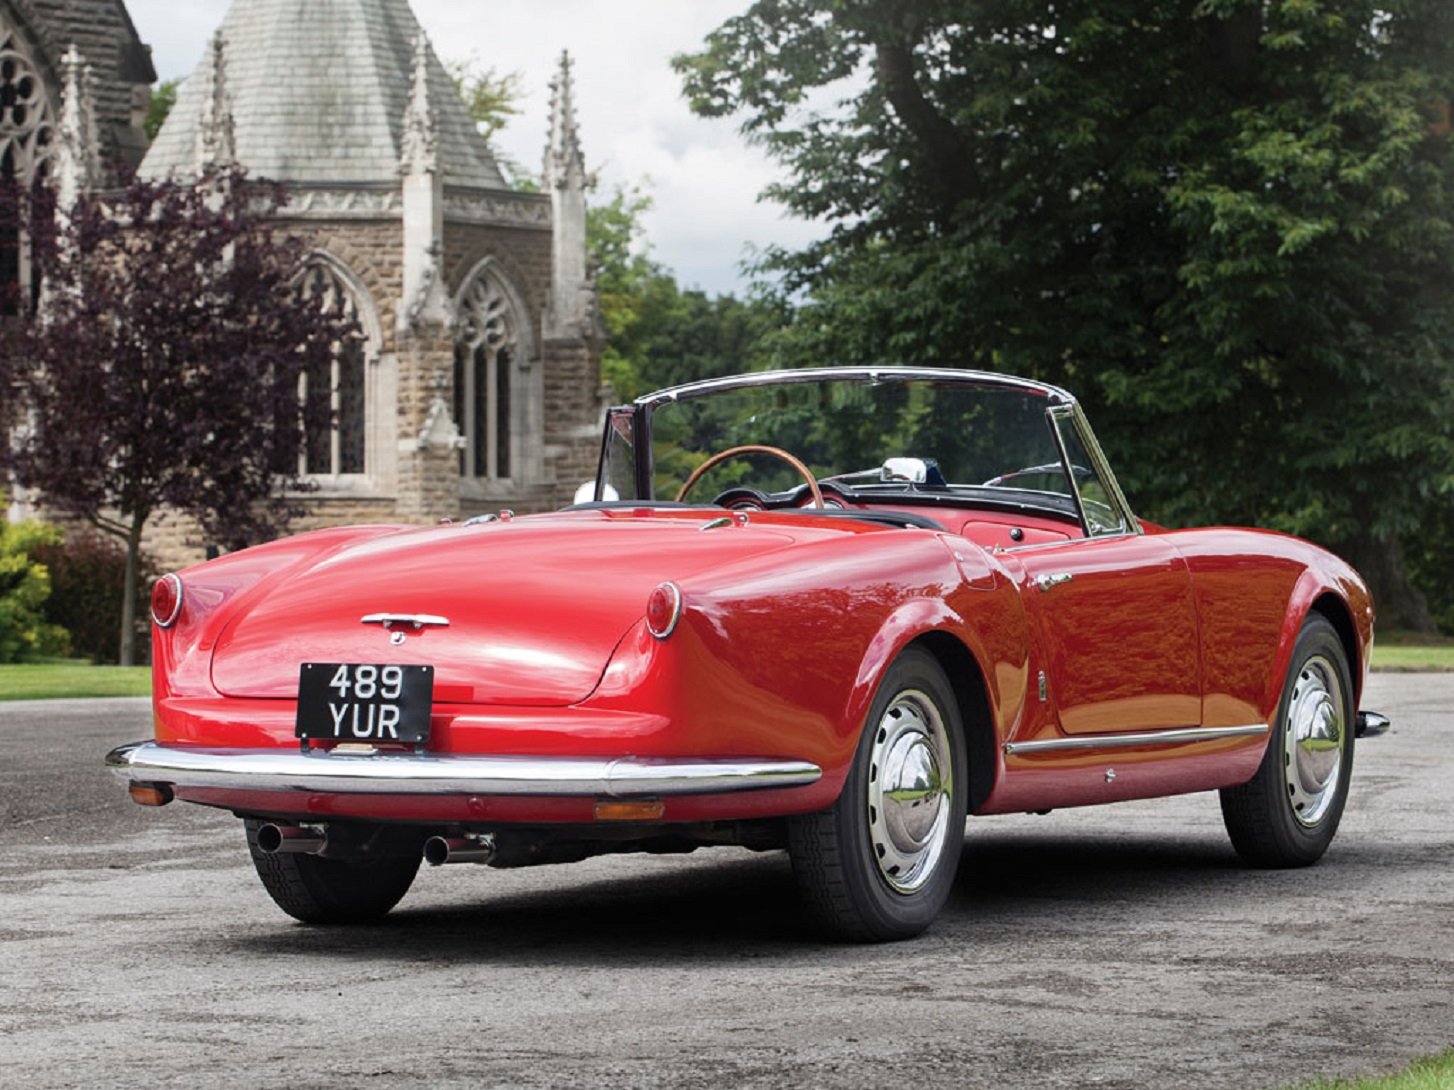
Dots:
{"x": 364, "y": 702}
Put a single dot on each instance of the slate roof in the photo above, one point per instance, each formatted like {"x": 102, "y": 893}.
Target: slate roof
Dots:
{"x": 318, "y": 91}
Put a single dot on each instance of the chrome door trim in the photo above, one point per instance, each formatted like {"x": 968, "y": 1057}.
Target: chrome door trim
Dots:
{"x": 1181, "y": 737}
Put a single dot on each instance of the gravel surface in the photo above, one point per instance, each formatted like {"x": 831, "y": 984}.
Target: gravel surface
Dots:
{"x": 1119, "y": 947}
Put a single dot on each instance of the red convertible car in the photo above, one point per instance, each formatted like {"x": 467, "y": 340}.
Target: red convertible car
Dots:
{"x": 833, "y": 611}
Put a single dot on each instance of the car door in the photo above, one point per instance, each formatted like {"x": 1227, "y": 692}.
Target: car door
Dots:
{"x": 1119, "y": 631}
{"x": 1117, "y": 614}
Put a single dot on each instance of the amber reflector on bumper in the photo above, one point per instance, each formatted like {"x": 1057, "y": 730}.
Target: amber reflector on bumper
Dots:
{"x": 643, "y": 810}
{"x": 150, "y": 794}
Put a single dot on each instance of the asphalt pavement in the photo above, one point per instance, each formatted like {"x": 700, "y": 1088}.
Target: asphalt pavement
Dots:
{"x": 1120, "y": 947}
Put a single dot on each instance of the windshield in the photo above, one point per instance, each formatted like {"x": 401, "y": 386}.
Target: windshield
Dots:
{"x": 870, "y": 437}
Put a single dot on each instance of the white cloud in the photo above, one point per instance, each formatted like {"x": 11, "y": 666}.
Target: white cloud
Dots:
{"x": 634, "y": 121}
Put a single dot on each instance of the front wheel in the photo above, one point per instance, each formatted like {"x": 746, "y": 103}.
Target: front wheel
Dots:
{"x": 332, "y": 891}
{"x": 1286, "y": 815}
{"x": 879, "y": 864}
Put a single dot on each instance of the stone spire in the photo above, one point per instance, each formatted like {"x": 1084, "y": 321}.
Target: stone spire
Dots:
{"x": 419, "y": 148}
{"x": 423, "y": 300}
{"x": 215, "y": 143}
{"x": 572, "y": 310}
{"x": 76, "y": 154}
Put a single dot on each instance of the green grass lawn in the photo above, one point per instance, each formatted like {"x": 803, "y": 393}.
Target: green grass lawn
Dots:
{"x": 1395, "y": 650}
{"x": 1432, "y": 1073}
{"x": 72, "y": 678}
{"x": 1413, "y": 658}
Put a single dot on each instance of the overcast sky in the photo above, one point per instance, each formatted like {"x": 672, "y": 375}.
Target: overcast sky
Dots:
{"x": 634, "y": 122}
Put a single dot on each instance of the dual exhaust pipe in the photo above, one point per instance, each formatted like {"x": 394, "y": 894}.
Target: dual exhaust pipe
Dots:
{"x": 313, "y": 840}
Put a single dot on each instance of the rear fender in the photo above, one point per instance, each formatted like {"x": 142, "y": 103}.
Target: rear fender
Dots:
{"x": 903, "y": 626}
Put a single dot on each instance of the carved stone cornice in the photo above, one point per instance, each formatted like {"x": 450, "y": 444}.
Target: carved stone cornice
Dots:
{"x": 499, "y": 208}
{"x": 496, "y": 207}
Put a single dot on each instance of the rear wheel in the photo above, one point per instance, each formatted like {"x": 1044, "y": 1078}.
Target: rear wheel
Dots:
{"x": 332, "y": 891}
{"x": 1287, "y": 814}
{"x": 880, "y": 863}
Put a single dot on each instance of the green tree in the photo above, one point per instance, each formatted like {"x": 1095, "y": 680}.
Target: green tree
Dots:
{"x": 636, "y": 293}
{"x": 1225, "y": 224}
{"x": 491, "y": 97}
{"x": 159, "y": 105}
{"x": 658, "y": 333}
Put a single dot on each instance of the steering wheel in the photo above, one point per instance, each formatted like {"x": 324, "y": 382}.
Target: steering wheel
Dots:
{"x": 733, "y": 452}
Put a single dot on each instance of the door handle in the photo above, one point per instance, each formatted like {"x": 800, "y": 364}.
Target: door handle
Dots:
{"x": 1045, "y": 582}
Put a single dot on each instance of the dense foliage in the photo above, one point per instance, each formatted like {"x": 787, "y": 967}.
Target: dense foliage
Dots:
{"x": 658, "y": 333}
{"x": 1227, "y": 225}
{"x": 87, "y": 581}
{"x": 165, "y": 370}
{"x": 25, "y": 634}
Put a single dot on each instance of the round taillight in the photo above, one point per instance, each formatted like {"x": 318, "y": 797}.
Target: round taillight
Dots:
{"x": 663, "y": 610}
{"x": 166, "y": 600}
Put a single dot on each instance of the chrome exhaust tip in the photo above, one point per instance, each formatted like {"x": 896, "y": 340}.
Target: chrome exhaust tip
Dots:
{"x": 439, "y": 850}
{"x": 292, "y": 839}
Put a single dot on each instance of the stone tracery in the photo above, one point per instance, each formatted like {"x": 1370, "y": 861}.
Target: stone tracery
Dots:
{"x": 344, "y": 386}
{"x": 486, "y": 355}
{"x": 27, "y": 133}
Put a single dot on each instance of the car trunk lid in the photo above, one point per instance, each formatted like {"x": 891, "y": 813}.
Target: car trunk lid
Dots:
{"x": 533, "y": 607}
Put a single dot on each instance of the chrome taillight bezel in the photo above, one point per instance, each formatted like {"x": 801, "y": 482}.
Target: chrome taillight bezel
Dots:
{"x": 673, "y": 611}
{"x": 175, "y": 583}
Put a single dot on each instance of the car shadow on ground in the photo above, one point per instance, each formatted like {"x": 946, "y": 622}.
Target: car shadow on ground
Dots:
{"x": 744, "y": 906}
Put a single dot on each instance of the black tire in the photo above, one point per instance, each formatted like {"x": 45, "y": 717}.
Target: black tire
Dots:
{"x": 1287, "y": 814}
{"x": 872, "y": 869}
{"x": 332, "y": 891}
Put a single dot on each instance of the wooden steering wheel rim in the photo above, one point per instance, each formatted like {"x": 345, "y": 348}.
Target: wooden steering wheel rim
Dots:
{"x": 732, "y": 452}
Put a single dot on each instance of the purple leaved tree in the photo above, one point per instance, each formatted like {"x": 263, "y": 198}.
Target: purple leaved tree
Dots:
{"x": 162, "y": 372}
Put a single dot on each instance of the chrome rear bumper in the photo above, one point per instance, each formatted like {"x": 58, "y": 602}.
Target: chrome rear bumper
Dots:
{"x": 449, "y": 774}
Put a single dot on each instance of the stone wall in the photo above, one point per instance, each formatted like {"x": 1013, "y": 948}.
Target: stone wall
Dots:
{"x": 575, "y": 404}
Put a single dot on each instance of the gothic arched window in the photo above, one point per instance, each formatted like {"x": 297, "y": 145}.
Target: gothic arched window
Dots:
{"x": 341, "y": 384}
{"x": 25, "y": 139}
{"x": 486, "y": 356}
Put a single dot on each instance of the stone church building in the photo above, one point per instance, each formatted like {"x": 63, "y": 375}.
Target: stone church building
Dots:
{"x": 476, "y": 385}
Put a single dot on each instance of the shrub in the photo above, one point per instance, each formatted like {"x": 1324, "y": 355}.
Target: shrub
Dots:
{"x": 25, "y": 632}
{"x": 88, "y": 581}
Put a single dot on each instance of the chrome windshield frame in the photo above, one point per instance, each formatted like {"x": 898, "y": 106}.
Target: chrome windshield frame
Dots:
{"x": 1057, "y": 399}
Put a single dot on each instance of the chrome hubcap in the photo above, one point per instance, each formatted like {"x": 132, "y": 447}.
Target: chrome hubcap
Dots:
{"x": 1315, "y": 737}
{"x": 910, "y": 785}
